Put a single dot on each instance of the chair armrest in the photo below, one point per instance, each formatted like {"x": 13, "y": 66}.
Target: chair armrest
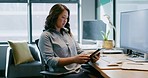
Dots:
{"x": 50, "y": 73}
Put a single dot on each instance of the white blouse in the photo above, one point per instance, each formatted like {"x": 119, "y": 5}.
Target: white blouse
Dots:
{"x": 54, "y": 45}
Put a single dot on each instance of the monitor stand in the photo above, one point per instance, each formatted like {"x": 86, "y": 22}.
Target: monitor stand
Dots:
{"x": 139, "y": 59}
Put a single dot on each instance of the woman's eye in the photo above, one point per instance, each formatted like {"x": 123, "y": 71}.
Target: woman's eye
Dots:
{"x": 64, "y": 17}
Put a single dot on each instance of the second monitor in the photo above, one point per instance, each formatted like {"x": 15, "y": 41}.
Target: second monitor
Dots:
{"x": 92, "y": 29}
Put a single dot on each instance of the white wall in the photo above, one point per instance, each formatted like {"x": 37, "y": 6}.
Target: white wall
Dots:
{"x": 87, "y": 8}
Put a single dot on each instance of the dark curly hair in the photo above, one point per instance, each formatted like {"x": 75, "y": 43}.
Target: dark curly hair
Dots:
{"x": 54, "y": 13}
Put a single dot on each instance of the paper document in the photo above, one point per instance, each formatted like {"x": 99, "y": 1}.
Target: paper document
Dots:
{"x": 135, "y": 66}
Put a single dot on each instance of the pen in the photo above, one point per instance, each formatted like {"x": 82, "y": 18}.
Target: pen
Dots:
{"x": 135, "y": 63}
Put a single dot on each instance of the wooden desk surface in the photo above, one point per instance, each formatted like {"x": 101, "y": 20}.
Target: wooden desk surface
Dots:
{"x": 125, "y": 74}
{"x": 116, "y": 71}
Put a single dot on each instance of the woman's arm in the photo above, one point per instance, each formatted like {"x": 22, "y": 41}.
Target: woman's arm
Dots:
{"x": 80, "y": 59}
{"x": 46, "y": 47}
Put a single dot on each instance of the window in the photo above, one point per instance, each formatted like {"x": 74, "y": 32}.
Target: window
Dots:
{"x": 40, "y": 12}
{"x": 13, "y": 25}
{"x": 20, "y": 22}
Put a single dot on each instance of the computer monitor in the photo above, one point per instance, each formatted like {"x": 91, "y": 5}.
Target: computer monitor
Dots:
{"x": 133, "y": 30}
{"x": 92, "y": 29}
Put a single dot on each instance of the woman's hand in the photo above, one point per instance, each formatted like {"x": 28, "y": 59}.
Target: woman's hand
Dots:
{"x": 81, "y": 58}
{"x": 95, "y": 57}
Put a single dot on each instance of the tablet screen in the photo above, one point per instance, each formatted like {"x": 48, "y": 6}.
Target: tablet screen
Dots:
{"x": 95, "y": 53}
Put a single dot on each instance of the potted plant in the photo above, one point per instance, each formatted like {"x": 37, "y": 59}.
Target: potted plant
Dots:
{"x": 107, "y": 44}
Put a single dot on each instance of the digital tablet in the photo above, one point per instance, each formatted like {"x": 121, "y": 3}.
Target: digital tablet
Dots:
{"x": 97, "y": 51}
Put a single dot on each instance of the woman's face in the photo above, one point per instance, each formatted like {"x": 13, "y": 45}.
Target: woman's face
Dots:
{"x": 62, "y": 19}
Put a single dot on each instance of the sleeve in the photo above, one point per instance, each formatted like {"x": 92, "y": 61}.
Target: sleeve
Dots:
{"x": 79, "y": 50}
{"x": 45, "y": 46}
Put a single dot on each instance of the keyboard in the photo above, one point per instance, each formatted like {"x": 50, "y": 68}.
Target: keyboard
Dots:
{"x": 137, "y": 59}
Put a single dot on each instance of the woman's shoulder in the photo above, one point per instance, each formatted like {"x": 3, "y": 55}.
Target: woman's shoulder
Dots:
{"x": 46, "y": 33}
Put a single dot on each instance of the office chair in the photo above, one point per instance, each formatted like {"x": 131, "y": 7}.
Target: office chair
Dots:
{"x": 47, "y": 74}
{"x": 45, "y": 71}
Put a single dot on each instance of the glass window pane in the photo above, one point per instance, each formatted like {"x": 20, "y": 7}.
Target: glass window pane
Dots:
{"x": 13, "y": 25}
{"x": 40, "y": 12}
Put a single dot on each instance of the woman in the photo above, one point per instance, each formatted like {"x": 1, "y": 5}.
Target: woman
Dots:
{"x": 60, "y": 50}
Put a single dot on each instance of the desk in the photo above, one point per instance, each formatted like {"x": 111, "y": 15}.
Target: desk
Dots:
{"x": 116, "y": 71}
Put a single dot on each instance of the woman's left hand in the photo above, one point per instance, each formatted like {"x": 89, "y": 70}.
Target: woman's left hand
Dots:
{"x": 95, "y": 57}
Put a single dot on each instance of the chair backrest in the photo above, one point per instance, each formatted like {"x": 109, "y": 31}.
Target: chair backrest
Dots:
{"x": 36, "y": 42}
{"x": 34, "y": 52}
{"x": 12, "y": 71}
{"x": 42, "y": 57}
{"x": 46, "y": 71}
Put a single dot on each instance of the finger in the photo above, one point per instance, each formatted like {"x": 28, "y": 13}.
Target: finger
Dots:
{"x": 85, "y": 58}
{"x": 84, "y": 55}
{"x": 95, "y": 58}
{"x": 98, "y": 54}
{"x": 83, "y": 61}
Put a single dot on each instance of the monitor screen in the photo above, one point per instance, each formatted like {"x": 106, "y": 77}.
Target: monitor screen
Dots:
{"x": 133, "y": 30}
{"x": 92, "y": 29}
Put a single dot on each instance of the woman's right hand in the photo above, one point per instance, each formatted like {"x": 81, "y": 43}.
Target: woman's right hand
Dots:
{"x": 81, "y": 58}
